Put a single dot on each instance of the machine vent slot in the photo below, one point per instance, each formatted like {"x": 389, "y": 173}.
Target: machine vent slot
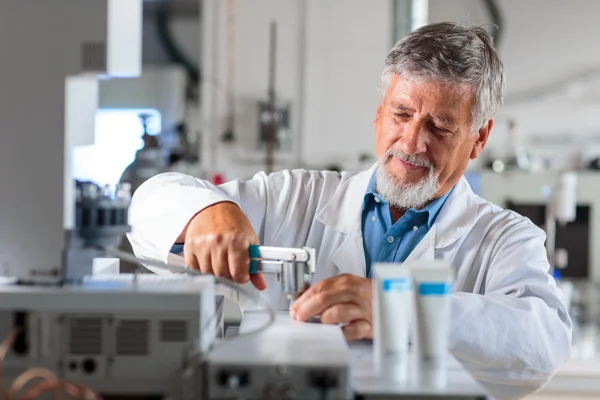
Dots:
{"x": 86, "y": 336}
{"x": 173, "y": 331}
{"x": 133, "y": 338}
{"x": 93, "y": 56}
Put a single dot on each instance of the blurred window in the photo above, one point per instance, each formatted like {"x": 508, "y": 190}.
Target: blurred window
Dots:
{"x": 118, "y": 137}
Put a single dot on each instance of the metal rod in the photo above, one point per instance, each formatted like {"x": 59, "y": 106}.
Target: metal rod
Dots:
{"x": 272, "y": 124}
{"x": 231, "y": 64}
{"x": 269, "y": 267}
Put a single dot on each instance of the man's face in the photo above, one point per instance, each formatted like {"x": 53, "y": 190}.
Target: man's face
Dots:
{"x": 423, "y": 138}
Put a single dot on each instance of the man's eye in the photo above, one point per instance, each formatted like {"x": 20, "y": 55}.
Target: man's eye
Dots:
{"x": 439, "y": 130}
{"x": 402, "y": 115}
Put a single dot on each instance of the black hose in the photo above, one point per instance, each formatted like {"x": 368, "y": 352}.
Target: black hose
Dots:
{"x": 497, "y": 20}
{"x": 163, "y": 25}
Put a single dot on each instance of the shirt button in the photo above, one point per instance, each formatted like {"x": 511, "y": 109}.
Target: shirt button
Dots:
{"x": 377, "y": 200}
{"x": 390, "y": 239}
{"x": 415, "y": 228}
{"x": 373, "y": 218}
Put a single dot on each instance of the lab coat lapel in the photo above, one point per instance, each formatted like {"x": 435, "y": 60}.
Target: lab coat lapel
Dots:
{"x": 456, "y": 219}
{"x": 349, "y": 258}
{"x": 425, "y": 250}
{"x": 343, "y": 214}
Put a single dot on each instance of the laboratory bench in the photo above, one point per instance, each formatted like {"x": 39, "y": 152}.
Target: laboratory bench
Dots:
{"x": 577, "y": 380}
{"x": 365, "y": 383}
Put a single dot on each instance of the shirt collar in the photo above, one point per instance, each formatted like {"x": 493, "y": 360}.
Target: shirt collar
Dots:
{"x": 432, "y": 209}
{"x": 435, "y": 206}
{"x": 371, "y": 193}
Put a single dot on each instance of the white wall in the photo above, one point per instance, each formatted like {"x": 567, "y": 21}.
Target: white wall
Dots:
{"x": 330, "y": 55}
{"x": 347, "y": 42}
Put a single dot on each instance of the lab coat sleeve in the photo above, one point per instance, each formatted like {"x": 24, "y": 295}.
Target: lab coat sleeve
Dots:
{"x": 283, "y": 201}
{"x": 515, "y": 336}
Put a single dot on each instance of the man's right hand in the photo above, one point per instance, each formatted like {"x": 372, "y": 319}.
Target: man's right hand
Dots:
{"x": 217, "y": 242}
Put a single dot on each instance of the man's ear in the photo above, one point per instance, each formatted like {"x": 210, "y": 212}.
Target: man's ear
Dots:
{"x": 378, "y": 114}
{"x": 482, "y": 136}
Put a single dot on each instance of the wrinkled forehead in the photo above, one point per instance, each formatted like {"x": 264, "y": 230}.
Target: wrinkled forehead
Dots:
{"x": 454, "y": 99}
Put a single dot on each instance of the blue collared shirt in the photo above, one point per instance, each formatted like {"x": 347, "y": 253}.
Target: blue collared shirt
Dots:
{"x": 385, "y": 241}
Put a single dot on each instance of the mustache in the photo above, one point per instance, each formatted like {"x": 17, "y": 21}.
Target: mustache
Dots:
{"x": 419, "y": 161}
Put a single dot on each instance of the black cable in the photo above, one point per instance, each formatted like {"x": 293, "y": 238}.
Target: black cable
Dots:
{"x": 163, "y": 26}
{"x": 497, "y": 20}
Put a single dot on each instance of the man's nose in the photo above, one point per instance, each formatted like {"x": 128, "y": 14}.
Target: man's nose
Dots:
{"x": 412, "y": 139}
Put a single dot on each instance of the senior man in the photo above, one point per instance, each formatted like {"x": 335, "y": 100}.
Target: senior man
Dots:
{"x": 440, "y": 88}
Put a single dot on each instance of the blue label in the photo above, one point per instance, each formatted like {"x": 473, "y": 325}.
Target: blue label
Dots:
{"x": 397, "y": 285}
{"x": 435, "y": 288}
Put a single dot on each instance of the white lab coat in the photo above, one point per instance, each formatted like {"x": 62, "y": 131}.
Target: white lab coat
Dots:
{"x": 509, "y": 327}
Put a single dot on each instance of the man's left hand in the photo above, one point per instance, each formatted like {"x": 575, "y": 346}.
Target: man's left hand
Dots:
{"x": 344, "y": 299}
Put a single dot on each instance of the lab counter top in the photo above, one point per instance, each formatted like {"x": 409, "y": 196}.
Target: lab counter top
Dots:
{"x": 460, "y": 384}
{"x": 300, "y": 343}
{"x": 578, "y": 379}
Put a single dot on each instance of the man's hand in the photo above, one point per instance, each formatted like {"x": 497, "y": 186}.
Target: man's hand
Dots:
{"x": 344, "y": 299}
{"x": 217, "y": 242}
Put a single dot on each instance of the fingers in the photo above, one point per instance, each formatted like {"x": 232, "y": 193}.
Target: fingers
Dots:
{"x": 342, "y": 313}
{"x": 190, "y": 258}
{"x": 217, "y": 240}
{"x": 314, "y": 304}
{"x": 358, "y": 330}
{"x": 239, "y": 260}
{"x": 259, "y": 282}
{"x": 239, "y": 264}
{"x": 307, "y": 294}
{"x": 220, "y": 266}
{"x": 204, "y": 261}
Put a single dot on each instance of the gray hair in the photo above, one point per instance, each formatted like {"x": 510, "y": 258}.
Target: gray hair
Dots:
{"x": 452, "y": 53}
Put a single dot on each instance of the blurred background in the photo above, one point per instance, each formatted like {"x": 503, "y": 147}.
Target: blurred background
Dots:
{"x": 233, "y": 87}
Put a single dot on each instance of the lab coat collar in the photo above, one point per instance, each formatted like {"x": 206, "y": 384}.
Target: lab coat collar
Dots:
{"x": 343, "y": 213}
{"x": 458, "y": 215}
{"x": 456, "y": 218}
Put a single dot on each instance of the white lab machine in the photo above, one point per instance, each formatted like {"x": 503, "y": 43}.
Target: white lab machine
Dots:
{"x": 529, "y": 192}
{"x": 119, "y": 335}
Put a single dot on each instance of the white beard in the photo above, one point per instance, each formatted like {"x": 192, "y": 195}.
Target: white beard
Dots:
{"x": 405, "y": 196}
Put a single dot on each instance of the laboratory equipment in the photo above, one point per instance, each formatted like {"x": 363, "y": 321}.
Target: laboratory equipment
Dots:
{"x": 121, "y": 335}
{"x": 100, "y": 222}
{"x": 294, "y": 267}
{"x": 289, "y": 360}
{"x": 527, "y": 194}
{"x": 149, "y": 160}
{"x": 561, "y": 208}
